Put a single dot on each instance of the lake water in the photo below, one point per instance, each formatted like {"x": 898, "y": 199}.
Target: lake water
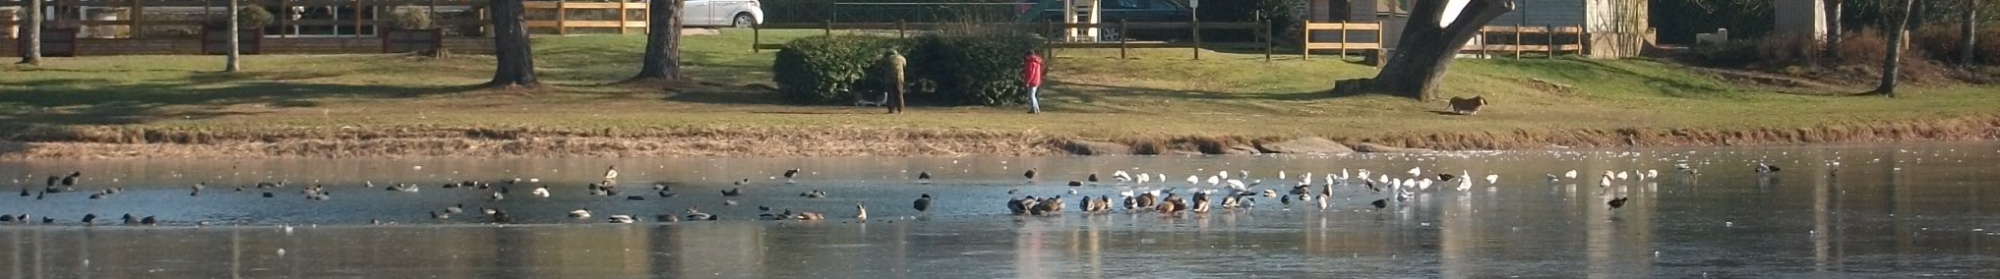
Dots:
{"x": 1903, "y": 211}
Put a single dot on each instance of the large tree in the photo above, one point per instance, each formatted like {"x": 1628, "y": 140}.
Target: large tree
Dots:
{"x": 1426, "y": 48}
{"x": 663, "y": 41}
{"x": 1834, "y": 29}
{"x": 516, "y": 66}
{"x": 32, "y": 33}
{"x": 235, "y": 38}
{"x": 1898, "y": 32}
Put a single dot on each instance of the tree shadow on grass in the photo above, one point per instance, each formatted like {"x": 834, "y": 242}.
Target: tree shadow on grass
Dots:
{"x": 93, "y": 101}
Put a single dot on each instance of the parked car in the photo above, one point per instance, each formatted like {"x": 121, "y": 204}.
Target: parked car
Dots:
{"x": 1112, "y": 11}
{"x": 722, "y": 13}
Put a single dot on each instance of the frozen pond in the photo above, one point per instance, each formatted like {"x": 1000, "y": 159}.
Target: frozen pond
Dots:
{"x": 1901, "y": 211}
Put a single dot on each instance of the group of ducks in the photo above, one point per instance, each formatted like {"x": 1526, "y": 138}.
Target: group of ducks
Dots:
{"x": 1233, "y": 193}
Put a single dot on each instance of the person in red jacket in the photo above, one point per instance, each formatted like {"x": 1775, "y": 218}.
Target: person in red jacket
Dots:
{"x": 1032, "y": 73}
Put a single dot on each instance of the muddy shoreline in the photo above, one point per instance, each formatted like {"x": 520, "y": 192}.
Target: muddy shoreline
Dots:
{"x": 95, "y": 142}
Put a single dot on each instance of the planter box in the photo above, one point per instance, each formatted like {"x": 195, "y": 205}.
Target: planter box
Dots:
{"x": 56, "y": 42}
{"x": 407, "y": 41}
{"x": 217, "y": 42}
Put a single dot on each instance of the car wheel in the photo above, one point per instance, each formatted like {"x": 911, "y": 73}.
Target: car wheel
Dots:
{"x": 1109, "y": 35}
{"x": 743, "y": 21}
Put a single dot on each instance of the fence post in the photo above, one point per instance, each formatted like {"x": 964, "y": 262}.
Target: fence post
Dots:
{"x": 1580, "y": 45}
{"x": 622, "y": 19}
{"x": 899, "y": 29}
{"x": 828, "y": 27}
{"x": 1196, "y": 20}
{"x": 1306, "y": 39}
{"x": 562, "y": 17}
{"x": 1517, "y": 41}
{"x": 357, "y": 18}
{"x": 139, "y": 19}
{"x": 1121, "y": 39}
{"x": 1485, "y": 40}
{"x": 756, "y": 34}
{"x": 1553, "y": 43}
{"x": 1270, "y": 36}
{"x": 1343, "y": 41}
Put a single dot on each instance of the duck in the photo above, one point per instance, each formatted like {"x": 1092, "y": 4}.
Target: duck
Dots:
{"x": 667, "y": 218}
{"x": 1442, "y": 177}
{"x": 70, "y": 180}
{"x": 1616, "y": 203}
{"x": 541, "y": 191}
{"x": 610, "y": 175}
{"x": 1073, "y": 183}
{"x": 1020, "y": 206}
{"x": 790, "y": 174}
{"x": 149, "y": 221}
{"x": 1765, "y": 169}
{"x": 924, "y": 177}
{"x": 1030, "y": 175}
{"x": 621, "y": 219}
{"x": 1380, "y": 203}
{"x": 696, "y": 215}
{"x": 6, "y": 218}
{"x": 860, "y": 213}
{"x": 440, "y": 215}
{"x": 129, "y": 220}
{"x": 88, "y": 218}
{"x": 500, "y": 216}
{"x": 744, "y": 181}
{"x": 732, "y": 192}
{"x": 48, "y": 220}
{"x": 635, "y": 198}
{"x": 1092, "y": 178}
{"x": 497, "y": 196}
{"x": 814, "y": 194}
{"x": 579, "y": 213}
{"x": 923, "y": 203}
{"x": 1121, "y": 176}
{"x": 454, "y": 209}
{"x": 197, "y": 189}
{"x": 807, "y": 216}
{"x": 661, "y": 186}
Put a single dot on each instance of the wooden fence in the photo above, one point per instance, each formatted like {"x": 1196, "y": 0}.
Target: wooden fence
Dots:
{"x": 1517, "y": 40}
{"x": 1263, "y": 39}
{"x": 159, "y": 26}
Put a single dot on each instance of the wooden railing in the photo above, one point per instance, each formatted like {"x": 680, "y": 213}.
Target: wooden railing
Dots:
{"x": 1263, "y": 31}
{"x": 1521, "y": 40}
{"x": 135, "y": 17}
{"x": 1346, "y": 43}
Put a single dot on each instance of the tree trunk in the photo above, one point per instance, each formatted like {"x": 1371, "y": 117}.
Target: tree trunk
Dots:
{"x": 32, "y": 33}
{"x": 1426, "y": 49}
{"x": 1968, "y": 35}
{"x": 235, "y": 38}
{"x": 1899, "y": 31}
{"x": 663, "y": 41}
{"x": 1835, "y": 29}
{"x": 516, "y": 66}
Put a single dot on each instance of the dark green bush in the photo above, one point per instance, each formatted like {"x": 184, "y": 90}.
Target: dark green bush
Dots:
{"x": 1284, "y": 15}
{"x": 1735, "y": 53}
{"x": 972, "y": 69}
{"x": 958, "y": 69}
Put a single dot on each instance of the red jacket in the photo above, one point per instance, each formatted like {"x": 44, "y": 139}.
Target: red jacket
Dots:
{"x": 1033, "y": 72}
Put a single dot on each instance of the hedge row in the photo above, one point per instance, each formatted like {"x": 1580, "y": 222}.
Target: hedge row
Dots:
{"x": 968, "y": 69}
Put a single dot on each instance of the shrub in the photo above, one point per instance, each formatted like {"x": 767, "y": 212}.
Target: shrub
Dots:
{"x": 815, "y": 70}
{"x": 1284, "y": 15}
{"x": 964, "y": 69}
{"x": 973, "y": 69}
{"x": 1865, "y": 47}
{"x": 1787, "y": 48}
{"x": 1941, "y": 42}
{"x": 1736, "y": 53}
{"x": 248, "y": 17}
{"x": 413, "y": 18}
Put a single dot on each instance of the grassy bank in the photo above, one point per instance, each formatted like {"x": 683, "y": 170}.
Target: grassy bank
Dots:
{"x": 394, "y": 105}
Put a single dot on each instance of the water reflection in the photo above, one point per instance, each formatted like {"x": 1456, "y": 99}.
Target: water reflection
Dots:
{"x": 1891, "y": 212}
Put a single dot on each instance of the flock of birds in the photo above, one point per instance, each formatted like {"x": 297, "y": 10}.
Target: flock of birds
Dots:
{"x": 1144, "y": 193}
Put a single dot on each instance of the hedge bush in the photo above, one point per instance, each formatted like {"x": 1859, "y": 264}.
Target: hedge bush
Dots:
{"x": 963, "y": 69}
{"x": 814, "y": 70}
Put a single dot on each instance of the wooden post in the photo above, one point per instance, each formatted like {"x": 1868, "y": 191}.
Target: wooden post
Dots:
{"x": 1517, "y": 41}
{"x": 1305, "y": 49}
{"x": 562, "y": 17}
{"x": 138, "y": 19}
{"x": 357, "y": 18}
{"x": 1343, "y": 41}
{"x": 828, "y": 27}
{"x": 756, "y": 35}
{"x": 486, "y": 26}
{"x": 1196, "y": 21}
{"x": 1580, "y": 46}
{"x": 1485, "y": 39}
{"x": 1553, "y": 43}
{"x": 899, "y": 29}
{"x": 622, "y": 19}
{"x": 1121, "y": 40}
{"x": 1270, "y": 35}
{"x": 285, "y": 19}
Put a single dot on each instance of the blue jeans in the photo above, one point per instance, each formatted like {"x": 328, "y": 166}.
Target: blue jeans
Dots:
{"x": 1034, "y": 102}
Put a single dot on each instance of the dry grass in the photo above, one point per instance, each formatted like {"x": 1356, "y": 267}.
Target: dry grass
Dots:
{"x": 1159, "y": 102}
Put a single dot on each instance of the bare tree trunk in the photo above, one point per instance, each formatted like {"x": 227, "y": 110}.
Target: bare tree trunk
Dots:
{"x": 1426, "y": 49}
{"x": 1897, "y": 34}
{"x": 235, "y": 38}
{"x": 32, "y": 35}
{"x": 663, "y": 41}
{"x": 516, "y": 65}
{"x": 1968, "y": 35}
{"x": 1835, "y": 29}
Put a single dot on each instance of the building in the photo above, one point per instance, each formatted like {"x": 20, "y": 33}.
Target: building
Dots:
{"x": 1616, "y": 28}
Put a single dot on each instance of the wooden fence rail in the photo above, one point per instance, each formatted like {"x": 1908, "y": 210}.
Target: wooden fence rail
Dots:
{"x": 1519, "y": 40}
{"x": 134, "y": 16}
{"x": 1262, "y": 29}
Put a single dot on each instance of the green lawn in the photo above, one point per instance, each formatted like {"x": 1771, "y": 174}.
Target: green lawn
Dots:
{"x": 1093, "y": 94}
